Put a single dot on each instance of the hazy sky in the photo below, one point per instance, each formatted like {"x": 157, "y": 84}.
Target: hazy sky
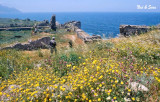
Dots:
{"x": 82, "y": 5}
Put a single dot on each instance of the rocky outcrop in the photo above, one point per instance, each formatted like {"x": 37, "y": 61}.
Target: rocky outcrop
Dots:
{"x": 128, "y": 30}
{"x": 53, "y": 23}
{"x": 72, "y": 25}
{"x": 32, "y": 45}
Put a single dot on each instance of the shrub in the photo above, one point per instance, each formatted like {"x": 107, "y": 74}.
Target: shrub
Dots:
{"x": 40, "y": 54}
{"x": 12, "y": 60}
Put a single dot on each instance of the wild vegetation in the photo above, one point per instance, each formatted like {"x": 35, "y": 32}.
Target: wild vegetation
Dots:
{"x": 99, "y": 71}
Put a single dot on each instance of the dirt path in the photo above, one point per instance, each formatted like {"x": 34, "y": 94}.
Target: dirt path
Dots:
{"x": 74, "y": 38}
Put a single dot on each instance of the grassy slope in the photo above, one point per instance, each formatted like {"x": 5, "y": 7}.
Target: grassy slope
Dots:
{"x": 8, "y": 37}
{"x": 93, "y": 72}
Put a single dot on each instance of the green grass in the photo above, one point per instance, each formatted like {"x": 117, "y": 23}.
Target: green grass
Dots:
{"x": 7, "y": 37}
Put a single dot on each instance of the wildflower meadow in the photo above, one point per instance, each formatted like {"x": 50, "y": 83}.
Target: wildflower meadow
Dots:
{"x": 113, "y": 70}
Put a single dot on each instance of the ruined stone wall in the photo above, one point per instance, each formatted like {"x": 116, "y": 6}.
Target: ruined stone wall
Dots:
{"x": 33, "y": 45}
{"x": 128, "y": 30}
{"x": 86, "y": 37}
{"x": 16, "y": 29}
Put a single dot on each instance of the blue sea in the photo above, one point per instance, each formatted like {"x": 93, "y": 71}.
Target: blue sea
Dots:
{"x": 96, "y": 23}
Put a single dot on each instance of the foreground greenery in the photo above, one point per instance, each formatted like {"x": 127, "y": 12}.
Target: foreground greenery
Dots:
{"x": 100, "y": 71}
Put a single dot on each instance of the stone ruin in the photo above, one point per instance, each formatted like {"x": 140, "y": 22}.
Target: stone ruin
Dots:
{"x": 86, "y": 37}
{"x": 43, "y": 23}
{"x": 42, "y": 43}
{"x": 128, "y": 30}
{"x": 72, "y": 25}
{"x": 32, "y": 45}
{"x": 76, "y": 27}
{"x": 53, "y": 23}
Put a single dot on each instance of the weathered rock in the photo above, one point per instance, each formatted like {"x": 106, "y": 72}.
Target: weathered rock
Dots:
{"x": 137, "y": 87}
{"x": 53, "y": 23}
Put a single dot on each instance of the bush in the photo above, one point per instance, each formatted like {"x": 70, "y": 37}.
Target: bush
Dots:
{"x": 40, "y": 54}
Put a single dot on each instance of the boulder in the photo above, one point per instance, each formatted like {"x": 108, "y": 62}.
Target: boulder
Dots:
{"x": 137, "y": 87}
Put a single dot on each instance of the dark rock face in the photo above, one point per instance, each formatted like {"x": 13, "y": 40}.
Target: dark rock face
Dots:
{"x": 53, "y": 23}
{"x": 128, "y": 30}
{"x": 33, "y": 45}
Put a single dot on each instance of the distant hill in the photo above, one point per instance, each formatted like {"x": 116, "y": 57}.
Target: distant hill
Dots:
{"x": 4, "y": 9}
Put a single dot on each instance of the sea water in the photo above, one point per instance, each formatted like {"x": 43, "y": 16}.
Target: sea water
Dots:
{"x": 101, "y": 23}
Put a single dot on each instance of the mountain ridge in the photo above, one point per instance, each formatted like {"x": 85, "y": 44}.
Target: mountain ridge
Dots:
{"x": 5, "y": 9}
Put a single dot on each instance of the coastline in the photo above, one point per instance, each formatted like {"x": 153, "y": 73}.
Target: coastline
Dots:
{"x": 97, "y": 23}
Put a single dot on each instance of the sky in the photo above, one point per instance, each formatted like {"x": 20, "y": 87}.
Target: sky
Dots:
{"x": 83, "y": 5}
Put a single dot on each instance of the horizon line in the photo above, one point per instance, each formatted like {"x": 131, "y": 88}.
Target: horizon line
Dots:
{"x": 86, "y": 12}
